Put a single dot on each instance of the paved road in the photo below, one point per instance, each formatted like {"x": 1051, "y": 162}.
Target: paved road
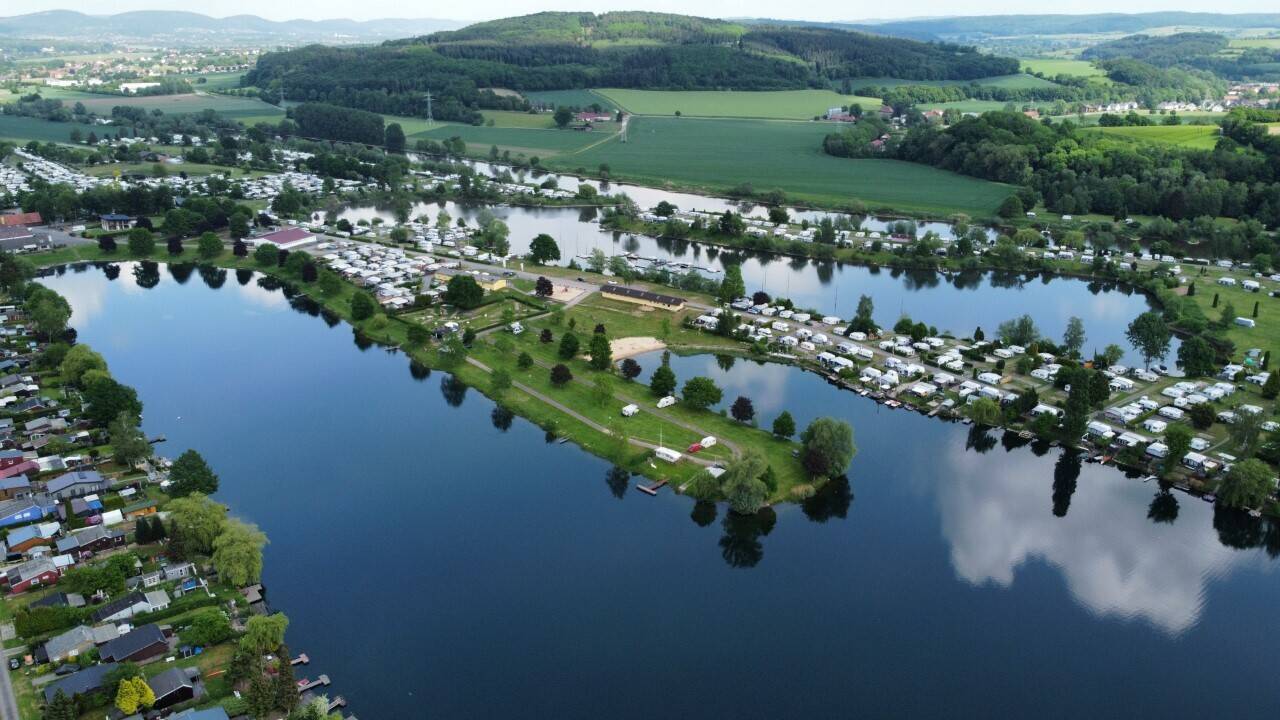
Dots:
{"x": 8, "y": 704}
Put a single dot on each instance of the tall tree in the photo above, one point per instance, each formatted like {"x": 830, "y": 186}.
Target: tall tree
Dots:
{"x": 237, "y": 552}
{"x": 1149, "y": 334}
{"x": 828, "y": 447}
{"x": 1073, "y": 338}
{"x": 190, "y": 473}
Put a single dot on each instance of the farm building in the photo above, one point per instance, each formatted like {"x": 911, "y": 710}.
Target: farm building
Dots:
{"x": 643, "y": 297}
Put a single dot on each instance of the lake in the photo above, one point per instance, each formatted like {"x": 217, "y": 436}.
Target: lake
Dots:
{"x": 439, "y": 559}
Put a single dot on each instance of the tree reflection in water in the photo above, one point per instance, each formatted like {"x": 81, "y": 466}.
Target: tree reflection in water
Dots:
{"x": 980, "y": 439}
{"x": 213, "y": 277}
{"x": 111, "y": 270}
{"x": 453, "y": 390}
{"x": 181, "y": 272}
{"x": 1065, "y": 473}
{"x": 832, "y": 500}
{"x": 704, "y": 513}
{"x": 146, "y": 274}
{"x": 1163, "y": 507}
{"x": 418, "y": 371}
{"x": 617, "y": 479}
{"x": 243, "y": 276}
{"x": 362, "y": 341}
{"x": 501, "y": 418}
{"x": 740, "y": 544}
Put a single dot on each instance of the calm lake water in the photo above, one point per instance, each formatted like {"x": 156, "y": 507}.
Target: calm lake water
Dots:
{"x": 956, "y": 303}
{"x": 437, "y": 560}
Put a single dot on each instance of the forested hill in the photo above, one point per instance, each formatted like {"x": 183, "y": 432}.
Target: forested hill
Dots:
{"x": 1199, "y": 50}
{"x": 1160, "y": 50}
{"x": 556, "y": 51}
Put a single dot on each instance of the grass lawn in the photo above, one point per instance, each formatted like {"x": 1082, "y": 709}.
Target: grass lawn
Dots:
{"x": 715, "y": 155}
{"x": 777, "y": 104}
{"x": 570, "y": 98}
{"x": 214, "y": 81}
{"x": 228, "y": 105}
{"x": 529, "y": 141}
{"x": 1201, "y": 137}
{"x": 1062, "y": 66}
{"x": 1266, "y": 335}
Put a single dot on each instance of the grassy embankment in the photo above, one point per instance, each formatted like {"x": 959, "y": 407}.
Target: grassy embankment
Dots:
{"x": 667, "y": 426}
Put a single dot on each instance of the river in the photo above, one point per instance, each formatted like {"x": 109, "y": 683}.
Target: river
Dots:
{"x": 438, "y": 560}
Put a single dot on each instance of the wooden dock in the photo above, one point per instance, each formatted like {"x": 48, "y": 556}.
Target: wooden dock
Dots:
{"x": 305, "y": 685}
{"x": 651, "y": 489}
{"x": 302, "y": 659}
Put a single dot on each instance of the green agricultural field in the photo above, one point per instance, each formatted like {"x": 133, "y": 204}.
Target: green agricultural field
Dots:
{"x": 23, "y": 129}
{"x": 537, "y": 121}
{"x": 570, "y": 98}
{"x": 214, "y": 81}
{"x": 775, "y": 105}
{"x": 228, "y": 105}
{"x": 1062, "y": 66}
{"x": 716, "y": 155}
{"x": 1271, "y": 43}
{"x": 528, "y": 141}
{"x": 1201, "y": 137}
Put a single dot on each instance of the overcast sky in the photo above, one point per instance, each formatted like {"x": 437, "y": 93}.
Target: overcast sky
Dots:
{"x": 488, "y": 9}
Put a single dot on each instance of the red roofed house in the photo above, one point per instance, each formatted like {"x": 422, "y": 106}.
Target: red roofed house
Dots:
{"x": 12, "y": 218}
{"x": 286, "y": 239}
{"x": 590, "y": 117}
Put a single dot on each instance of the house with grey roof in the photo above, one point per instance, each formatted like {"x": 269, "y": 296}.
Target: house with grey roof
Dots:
{"x": 122, "y": 608}
{"x": 140, "y": 644}
{"x": 80, "y": 683}
{"x": 76, "y": 484}
{"x": 175, "y": 685}
{"x": 93, "y": 539}
{"x": 67, "y": 645}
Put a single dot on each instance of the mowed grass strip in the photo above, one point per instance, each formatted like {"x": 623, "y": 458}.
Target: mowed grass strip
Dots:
{"x": 774, "y": 104}
{"x": 1200, "y": 137}
{"x": 570, "y": 98}
{"x": 715, "y": 155}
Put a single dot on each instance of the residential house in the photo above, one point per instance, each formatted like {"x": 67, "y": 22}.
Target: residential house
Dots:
{"x": 33, "y": 573}
{"x": 27, "y": 537}
{"x": 81, "y": 683}
{"x": 121, "y": 608}
{"x": 157, "y": 600}
{"x": 77, "y": 484}
{"x": 25, "y": 510}
{"x": 16, "y": 486}
{"x": 67, "y": 645}
{"x": 59, "y": 599}
{"x": 179, "y": 571}
{"x": 94, "y": 540}
{"x": 139, "y": 509}
{"x": 142, "y": 643}
{"x": 173, "y": 686}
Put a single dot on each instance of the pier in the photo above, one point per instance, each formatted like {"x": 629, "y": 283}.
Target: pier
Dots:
{"x": 651, "y": 489}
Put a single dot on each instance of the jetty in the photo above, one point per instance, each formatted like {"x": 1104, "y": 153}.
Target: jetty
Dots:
{"x": 302, "y": 659}
{"x": 305, "y": 684}
{"x": 651, "y": 489}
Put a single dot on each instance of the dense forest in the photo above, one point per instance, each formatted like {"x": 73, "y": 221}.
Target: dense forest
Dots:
{"x": 554, "y": 51}
{"x": 1162, "y": 50}
{"x": 1072, "y": 171}
{"x": 330, "y": 122}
